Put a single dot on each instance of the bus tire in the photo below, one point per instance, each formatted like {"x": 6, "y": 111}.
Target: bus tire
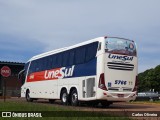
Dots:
{"x": 28, "y": 98}
{"x": 74, "y": 98}
{"x": 64, "y": 97}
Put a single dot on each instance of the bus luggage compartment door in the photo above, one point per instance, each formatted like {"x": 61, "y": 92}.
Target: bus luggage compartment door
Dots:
{"x": 88, "y": 87}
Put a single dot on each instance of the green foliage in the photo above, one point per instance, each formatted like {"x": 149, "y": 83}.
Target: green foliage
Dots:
{"x": 149, "y": 79}
{"x": 39, "y": 107}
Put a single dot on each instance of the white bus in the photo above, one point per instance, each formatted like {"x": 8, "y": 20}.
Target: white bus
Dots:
{"x": 103, "y": 70}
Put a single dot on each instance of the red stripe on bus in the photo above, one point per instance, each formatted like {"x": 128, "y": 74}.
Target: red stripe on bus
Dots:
{"x": 52, "y": 74}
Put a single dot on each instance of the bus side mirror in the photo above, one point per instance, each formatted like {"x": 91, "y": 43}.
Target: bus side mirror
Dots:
{"x": 20, "y": 74}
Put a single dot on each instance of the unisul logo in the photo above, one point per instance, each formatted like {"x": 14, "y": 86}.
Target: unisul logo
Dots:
{"x": 123, "y": 58}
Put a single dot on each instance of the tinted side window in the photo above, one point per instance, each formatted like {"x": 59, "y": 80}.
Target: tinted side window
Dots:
{"x": 47, "y": 62}
{"x": 59, "y": 60}
{"x": 99, "y": 46}
{"x": 50, "y": 61}
{"x": 54, "y": 58}
{"x": 44, "y": 61}
{"x": 42, "y": 64}
{"x": 71, "y": 56}
{"x": 37, "y": 66}
{"x": 91, "y": 51}
{"x": 80, "y": 55}
{"x": 26, "y": 68}
{"x": 75, "y": 56}
{"x": 65, "y": 58}
{"x": 32, "y": 67}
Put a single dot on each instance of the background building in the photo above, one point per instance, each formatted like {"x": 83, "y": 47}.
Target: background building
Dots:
{"x": 13, "y": 85}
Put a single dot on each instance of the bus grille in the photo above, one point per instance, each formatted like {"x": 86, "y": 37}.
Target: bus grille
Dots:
{"x": 127, "y": 89}
{"x": 120, "y": 66}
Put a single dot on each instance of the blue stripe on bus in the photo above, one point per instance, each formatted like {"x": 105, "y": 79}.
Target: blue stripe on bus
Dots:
{"x": 87, "y": 69}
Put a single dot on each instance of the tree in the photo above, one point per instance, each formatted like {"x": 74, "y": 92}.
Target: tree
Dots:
{"x": 149, "y": 79}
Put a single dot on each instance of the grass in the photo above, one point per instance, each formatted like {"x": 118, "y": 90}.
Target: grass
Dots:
{"x": 24, "y": 106}
{"x": 38, "y": 107}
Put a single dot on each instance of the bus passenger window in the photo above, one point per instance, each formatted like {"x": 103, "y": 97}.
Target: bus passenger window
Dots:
{"x": 91, "y": 51}
{"x": 65, "y": 59}
{"x": 54, "y": 61}
{"x": 71, "y": 57}
{"x": 59, "y": 60}
{"x": 99, "y": 46}
{"x": 80, "y": 55}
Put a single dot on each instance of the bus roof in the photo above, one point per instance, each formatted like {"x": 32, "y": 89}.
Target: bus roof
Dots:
{"x": 65, "y": 48}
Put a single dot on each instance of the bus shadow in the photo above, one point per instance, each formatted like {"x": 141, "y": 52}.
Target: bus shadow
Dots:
{"x": 126, "y": 106}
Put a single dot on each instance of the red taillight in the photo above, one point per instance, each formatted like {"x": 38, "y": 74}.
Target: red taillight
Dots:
{"x": 136, "y": 84}
{"x": 104, "y": 93}
{"x": 102, "y": 82}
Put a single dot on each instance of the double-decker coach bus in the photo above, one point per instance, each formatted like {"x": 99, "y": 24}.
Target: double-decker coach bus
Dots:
{"x": 103, "y": 69}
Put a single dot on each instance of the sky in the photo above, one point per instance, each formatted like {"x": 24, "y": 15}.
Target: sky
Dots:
{"x": 31, "y": 27}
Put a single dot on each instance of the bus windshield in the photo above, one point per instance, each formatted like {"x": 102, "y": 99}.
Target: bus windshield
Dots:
{"x": 120, "y": 46}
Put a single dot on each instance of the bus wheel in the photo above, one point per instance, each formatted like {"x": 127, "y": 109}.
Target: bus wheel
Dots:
{"x": 74, "y": 98}
{"x": 64, "y": 97}
{"x": 51, "y": 101}
{"x": 28, "y": 96}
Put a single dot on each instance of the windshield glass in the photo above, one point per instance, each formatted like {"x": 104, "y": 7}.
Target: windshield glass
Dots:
{"x": 120, "y": 46}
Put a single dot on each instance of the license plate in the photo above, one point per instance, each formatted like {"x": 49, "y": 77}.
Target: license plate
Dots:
{"x": 120, "y": 95}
